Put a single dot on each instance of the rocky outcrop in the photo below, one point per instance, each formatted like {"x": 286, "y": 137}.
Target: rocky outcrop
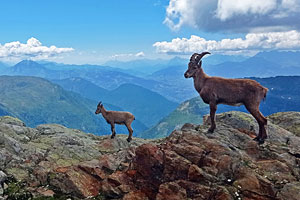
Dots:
{"x": 228, "y": 164}
{"x": 52, "y": 160}
{"x": 287, "y": 120}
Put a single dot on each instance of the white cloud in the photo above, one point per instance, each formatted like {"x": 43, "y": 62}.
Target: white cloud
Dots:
{"x": 33, "y": 49}
{"x": 180, "y": 12}
{"x": 226, "y": 9}
{"x": 234, "y": 15}
{"x": 252, "y": 42}
{"x": 140, "y": 54}
{"x": 126, "y": 56}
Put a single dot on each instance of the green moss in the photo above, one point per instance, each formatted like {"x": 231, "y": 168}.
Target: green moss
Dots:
{"x": 44, "y": 198}
{"x": 53, "y": 156}
{"x": 245, "y": 118}
{"x": 40, "y": 145}
{"x": 66, "y": 162}
{"x": 51, "y": 176}
{"x": 47, "y": 140}
{"x": 19, "y": 174}
{"x": 100, "y": 196}
{"x": 55, "y": 197}
{"x": 287, "y": 120}
{"x": 16, "y": 190}
{"x": 10, "y": 118}
{"x": 239, "y": 115}
{"x": 295, "y": 130}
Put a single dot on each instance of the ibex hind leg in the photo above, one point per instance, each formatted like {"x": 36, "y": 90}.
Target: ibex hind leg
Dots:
{"x": 262, "y": 130}
{"x": 130, "y": 131}
{"x": 261, "y": 120}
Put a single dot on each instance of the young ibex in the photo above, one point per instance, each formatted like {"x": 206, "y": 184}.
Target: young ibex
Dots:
{"x": 116, "y": 117}
{"x": 235, "y": 92}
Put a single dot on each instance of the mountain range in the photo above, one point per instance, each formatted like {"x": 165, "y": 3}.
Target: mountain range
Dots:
{"x": 164, "y": 76}
{"x": 102, "y": 76}
{"x": 3, "y": 67}
{"x": 146, "y": 67}
{"x": 156, "y": 94}
{"x": 254, "y": 66}
{"x": 284, "y": 58}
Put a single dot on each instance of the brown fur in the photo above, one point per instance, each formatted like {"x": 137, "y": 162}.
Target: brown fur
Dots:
{"x": 235, "y": 92}
{"x": 116, "y": 117}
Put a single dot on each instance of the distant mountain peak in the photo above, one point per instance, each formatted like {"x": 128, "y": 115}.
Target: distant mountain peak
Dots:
{"x": 28, "y": 63}
{"x": 177, "y": 61}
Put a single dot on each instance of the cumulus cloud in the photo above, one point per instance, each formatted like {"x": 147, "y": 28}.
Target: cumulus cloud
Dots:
{"x": 33, "y": 49}
{"x": 252, "y": 42}
{"x": 234, "y": 15}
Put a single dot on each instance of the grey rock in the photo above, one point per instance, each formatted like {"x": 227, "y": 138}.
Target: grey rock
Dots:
{"x": 12, "y": 121}
{"x": 50, "y": 129}
{"x": 13, "y": 144}
{"x": 287, "y": 120}
{"x": 3, "y": 177}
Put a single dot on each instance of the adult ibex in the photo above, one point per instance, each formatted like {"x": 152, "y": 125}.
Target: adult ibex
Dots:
{"x": 116, "y": 117}
{"x": 235, "y": 92}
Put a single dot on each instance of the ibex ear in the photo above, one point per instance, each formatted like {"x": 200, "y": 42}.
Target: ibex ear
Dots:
{"x": 199, "y": 65}
{"x": 99, "y": 104}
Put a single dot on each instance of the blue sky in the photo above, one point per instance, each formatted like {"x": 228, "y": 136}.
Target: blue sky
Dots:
{"x": 94, "y": 31}
{"x": 108, "y": 27}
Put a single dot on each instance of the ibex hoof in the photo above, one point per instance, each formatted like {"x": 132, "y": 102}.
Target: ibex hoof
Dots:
{"x": 112, "y": 137}
{"x": 129, "y": 139}
{"x": 259, "y": 140}
{"x": 210, "y": 130}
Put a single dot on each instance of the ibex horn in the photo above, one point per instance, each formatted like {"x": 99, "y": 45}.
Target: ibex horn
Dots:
{"x": 200, "y": 56}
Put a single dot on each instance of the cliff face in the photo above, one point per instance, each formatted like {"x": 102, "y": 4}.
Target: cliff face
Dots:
{"x": 52, "y": 160}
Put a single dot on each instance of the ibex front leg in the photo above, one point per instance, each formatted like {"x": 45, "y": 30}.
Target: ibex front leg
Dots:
{"x": 213, "y": 108}
{"x": 113, "y": 131}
